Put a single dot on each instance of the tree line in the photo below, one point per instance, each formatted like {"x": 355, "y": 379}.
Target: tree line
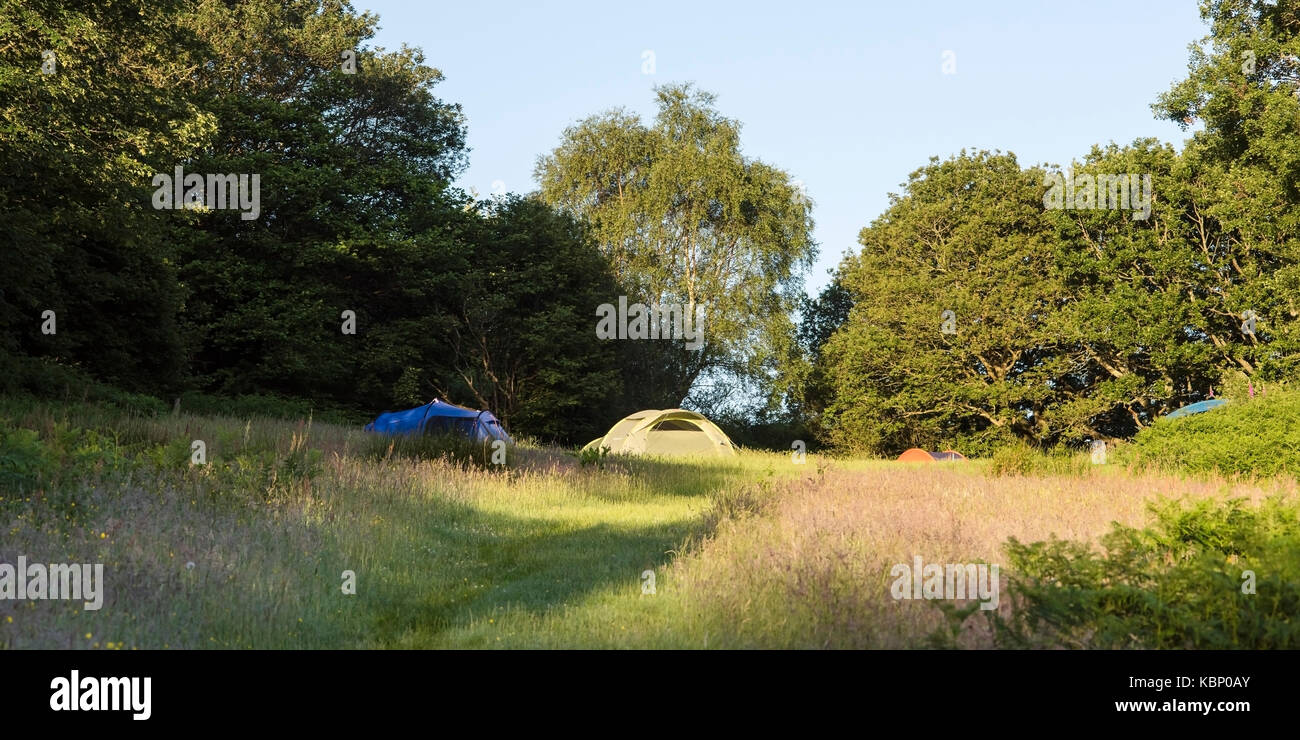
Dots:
{"x": 990, "y": 302}
{"x": 362, "y": 277}
{"x": 1081, "y": 302}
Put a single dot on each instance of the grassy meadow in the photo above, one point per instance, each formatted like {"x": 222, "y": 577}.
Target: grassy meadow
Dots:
{"x": 248, "y": 550}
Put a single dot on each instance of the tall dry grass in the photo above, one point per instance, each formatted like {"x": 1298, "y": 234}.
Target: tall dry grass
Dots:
{"x": 807, "y": 565}
{"x": 248, "y": 550}
{"x": 750, "y": 551}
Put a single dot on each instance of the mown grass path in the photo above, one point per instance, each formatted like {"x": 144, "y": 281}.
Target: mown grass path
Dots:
{"x": 249, "y": 549}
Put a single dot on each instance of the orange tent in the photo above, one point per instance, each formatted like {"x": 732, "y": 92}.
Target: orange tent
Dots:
{"x": 916, "y": 454}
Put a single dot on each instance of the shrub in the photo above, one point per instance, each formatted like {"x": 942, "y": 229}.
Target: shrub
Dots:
{"x": 24, "y": 460}
{"x": 1019, "y": 458}
{"x": 268, "y": 474}
{"x": 592, "y": 456}
{"x": 1217, "y": 575}
{"x": 174, "y": 455}
{"x": 1257, "y": 438}
{"x": 1016, "y": 458}
{"x": 67, "y": 453}
{"x": 38, "y": 378}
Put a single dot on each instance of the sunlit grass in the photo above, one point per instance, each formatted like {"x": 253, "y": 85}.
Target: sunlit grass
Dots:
{"x": 434, "y": 544}
{"x": 249, "y": 550}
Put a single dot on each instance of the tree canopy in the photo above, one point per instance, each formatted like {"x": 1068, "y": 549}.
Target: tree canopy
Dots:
{"x": 685, "y": 217}
{"x": 1074, "y": 319}
{"x": 991, "y": 302}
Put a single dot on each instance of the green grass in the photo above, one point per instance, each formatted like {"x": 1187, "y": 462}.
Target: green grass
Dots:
{"x": 446, "y": 554}
{"x": 450, "y": 551}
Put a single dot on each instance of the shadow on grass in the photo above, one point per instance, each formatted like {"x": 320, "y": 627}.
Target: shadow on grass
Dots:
{"x": 464, "y": 564}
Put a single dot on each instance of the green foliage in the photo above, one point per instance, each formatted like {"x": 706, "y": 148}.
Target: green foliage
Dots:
{"x": 594, "y": 456}
{"x": 969, "y": 236}
{"x": 38, "y": 378}
{"x": 810, "y": 377}
{"x": 685, "y": 218}
{"x": 49, "y": 468}
{"x": 947, "y": 637}
{"x": 1013, "y": 459}
{"x": 407, "y": 388}
{"x": 1250, "y": 437}
{"x": 1244, "y": 166}
{"x": 1083, "y": 323}
{"x": 523, "y": 344}
{"x": 268, "y": 406}
{"x": 268, "y": 475}
{"x": 1069, "y": 324}
{"x": 24, "y": 460}
{"x": 1019, "y": 458}
{"x": 356, "y": 211}
{"x": 490, "y": 306}
{"x": 79, "y": 147}
{"x": 1180, "y": 583}
{"x": 174, "y": 455}
{"x": 752, "y": 429}
{"x": 1151, "y": 320}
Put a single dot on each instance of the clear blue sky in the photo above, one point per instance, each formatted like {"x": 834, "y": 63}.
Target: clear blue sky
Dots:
{"x": 848, "y": 97}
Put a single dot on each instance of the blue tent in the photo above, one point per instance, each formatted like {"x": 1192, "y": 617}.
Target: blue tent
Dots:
{"x": 1196, "y": 408}
{"x": 440, "y": 417}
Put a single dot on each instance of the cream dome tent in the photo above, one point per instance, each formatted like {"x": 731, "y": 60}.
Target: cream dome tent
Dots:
{"x": 670, "y": 432}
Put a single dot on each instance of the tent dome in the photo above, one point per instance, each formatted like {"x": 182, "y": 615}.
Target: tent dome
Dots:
{"x": 1196, "y": 408}
{"x": 665, "y": 432}
{"x": 440, "y": 417}
{"x": 916, "y": 454}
